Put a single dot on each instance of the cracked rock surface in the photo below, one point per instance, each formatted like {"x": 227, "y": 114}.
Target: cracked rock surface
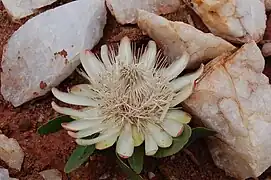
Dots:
{"x": 233, "y": 98}
{"x": 238, "y": 21}
{"x": 176, "y": 37}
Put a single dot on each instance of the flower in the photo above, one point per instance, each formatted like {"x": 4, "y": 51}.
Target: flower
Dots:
{"x": 130, "y": 99}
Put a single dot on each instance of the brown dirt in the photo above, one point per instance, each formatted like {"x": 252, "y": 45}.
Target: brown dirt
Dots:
{"x": 52, "y": 151}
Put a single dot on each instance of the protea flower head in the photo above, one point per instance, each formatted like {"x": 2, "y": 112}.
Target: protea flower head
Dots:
{"x": 130, "y": 99}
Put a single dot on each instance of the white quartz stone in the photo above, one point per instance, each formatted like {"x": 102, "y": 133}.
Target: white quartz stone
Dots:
{"x": 22, "y": 8}
{"x": 233, "y": 98}
{"x": 45, "y": 50}
{"x": 176, "y": 37}
{"x": 11, "y": 152}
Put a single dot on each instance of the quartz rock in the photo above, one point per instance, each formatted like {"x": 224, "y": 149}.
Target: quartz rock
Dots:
{"x": 238, "y": 21}
{"x": 51, "y": 174}
{"x": 176, "y": 37}
{"x": 35, "y": 62}
{"x": 233, "y": 97}
{"x": 4, "y": 175}
{"x": 22, "y": 8}
{"x": 125, "y": 11}
{"x": 11, "y": 152}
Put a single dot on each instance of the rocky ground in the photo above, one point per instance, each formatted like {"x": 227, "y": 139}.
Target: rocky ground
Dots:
{"x": 52, "y": 151}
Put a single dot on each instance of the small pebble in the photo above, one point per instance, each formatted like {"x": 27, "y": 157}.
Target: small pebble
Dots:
{"x": 40, "y": 119}
{"x": 151, "y": 175}
{"x": 11, "y": 152}
{"x": 51, "y": 174}
{"x": 104, "y": 176}
{"x": 173, "y": 178}
{"x": 172, "y": 157}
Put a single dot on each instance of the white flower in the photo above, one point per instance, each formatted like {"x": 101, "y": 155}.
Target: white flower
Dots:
{"x": 130, "y": 99}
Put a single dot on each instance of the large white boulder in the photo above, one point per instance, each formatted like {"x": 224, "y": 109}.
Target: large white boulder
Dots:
{"x": 44, "y": 51}
{"x": 233, "y": 97}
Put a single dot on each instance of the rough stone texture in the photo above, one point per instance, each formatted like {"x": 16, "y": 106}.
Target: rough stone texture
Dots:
{"x": 238, "y": 21}
{"x": 35, "y": 62}
{"x": 4, "y": 175}
{"x": 176, "y": 37}
{"x": 51, "y": 174}
{"x": 233, "y": 97}
{"x": 22, "y": 8}
{"x": 11, "y": 152}
{"x": 126, "y": 12}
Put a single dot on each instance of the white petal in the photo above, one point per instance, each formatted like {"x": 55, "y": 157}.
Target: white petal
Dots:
{"x": 89, "y": 131}
{"x": 181, "y": 82}
{"x": 159, "y": 135}
{"x": 176, "y": 67}
{"x": 125, "y": 144}
{"x": 107, "y": 142}
{"x": 105, "y": 57}
{"x": 83, "y": 90}
{"x": 125, "y": 51}
{"x": 182, "y": 95}
{"x": 93, "y": 114}
{"x": 73, "y": 99}
{"x": 174, "y": 128}
{"x": 78, "y": 125}
{"x": 91, "y": 64}
{"x": 137, "y": 136}
{"x": 100, "y": 138}
{"x": 150, "y": 145}
{"x": 69, "y": 111}
{"x": 149, "y": 57}
{"x": 178, "y": 115}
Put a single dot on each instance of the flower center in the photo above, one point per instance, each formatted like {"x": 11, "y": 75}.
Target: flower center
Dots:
{"x": 134, "y": 95}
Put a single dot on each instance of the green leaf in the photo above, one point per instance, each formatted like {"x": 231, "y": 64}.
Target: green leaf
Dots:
{"x": 137, "y": 160}
{"x": 78, "y": 157}
{"x": 54, "y": 125}
{"x": 177, "y": 144}
{"x": 198, "y": 133}
{"x": 127, "y": 170}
